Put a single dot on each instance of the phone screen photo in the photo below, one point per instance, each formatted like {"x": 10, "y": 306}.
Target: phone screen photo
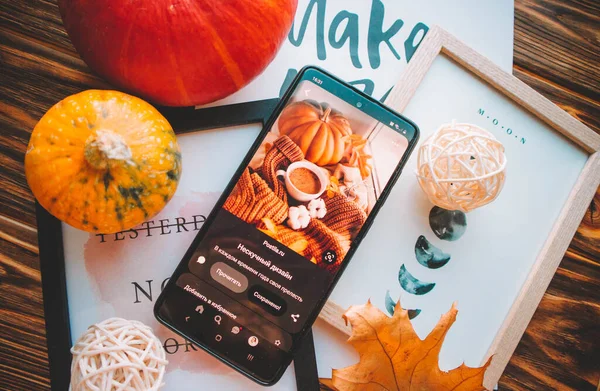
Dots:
{"x": 259, "y": 271}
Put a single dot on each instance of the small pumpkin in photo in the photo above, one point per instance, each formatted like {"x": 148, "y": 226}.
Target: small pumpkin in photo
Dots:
{"x": 319, "y": 130}
{"x": 103, "y": 161}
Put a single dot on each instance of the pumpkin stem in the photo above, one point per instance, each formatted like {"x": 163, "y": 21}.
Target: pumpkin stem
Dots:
{"x": 106, "y": 148}
{"x": 326, "y": 114}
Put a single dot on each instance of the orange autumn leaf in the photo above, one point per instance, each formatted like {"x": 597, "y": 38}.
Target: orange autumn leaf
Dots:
{"x": 364, "y": 166}
{"x": 270, "y": 227}
{"x": 334, "y": 187}
{"x": 299, "y": 245}
{"x": 355, "y": 155}
{"x": 393, "y": 357}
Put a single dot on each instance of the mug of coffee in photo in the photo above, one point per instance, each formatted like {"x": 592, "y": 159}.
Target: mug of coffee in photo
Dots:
{"x": 304, "y": 180}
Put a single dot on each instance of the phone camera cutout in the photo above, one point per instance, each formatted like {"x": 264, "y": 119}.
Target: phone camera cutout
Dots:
{"x": 359, "y": 104}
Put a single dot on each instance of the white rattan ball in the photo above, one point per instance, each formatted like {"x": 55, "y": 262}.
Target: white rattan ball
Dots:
{"x": 117, "y": 354}
{"x": 461, "y": 167}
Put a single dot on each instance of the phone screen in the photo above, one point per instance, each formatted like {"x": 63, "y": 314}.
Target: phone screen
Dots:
{"x": 269, "y": 254}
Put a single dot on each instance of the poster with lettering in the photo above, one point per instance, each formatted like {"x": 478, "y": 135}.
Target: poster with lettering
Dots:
{"x": 368, "y": 42}
{"x": 365, "y": 42}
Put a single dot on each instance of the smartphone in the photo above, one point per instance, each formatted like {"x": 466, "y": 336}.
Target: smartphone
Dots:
{"x": 269, "y": 254}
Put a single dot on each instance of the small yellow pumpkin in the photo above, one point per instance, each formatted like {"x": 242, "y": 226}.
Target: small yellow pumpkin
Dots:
{"x": 103, "y": 161}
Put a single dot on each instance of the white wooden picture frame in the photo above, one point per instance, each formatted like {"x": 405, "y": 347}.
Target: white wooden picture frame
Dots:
{"x": 437, "y": 43}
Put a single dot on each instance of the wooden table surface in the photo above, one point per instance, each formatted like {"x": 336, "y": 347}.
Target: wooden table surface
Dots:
{"x": 556, "y": 52}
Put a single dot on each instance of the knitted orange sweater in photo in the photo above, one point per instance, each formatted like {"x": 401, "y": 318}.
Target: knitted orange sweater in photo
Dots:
{"x": 334, "y": 232}
{"x": 282, "y": 154}
{"x": 254, "y": 198}
{"x": 261, "y": 194}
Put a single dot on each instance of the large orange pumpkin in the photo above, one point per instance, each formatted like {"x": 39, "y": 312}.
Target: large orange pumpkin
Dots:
{"x": 103, "y": 161}
{"x": 320, "y": 131}
{"x": 178, "y": 52}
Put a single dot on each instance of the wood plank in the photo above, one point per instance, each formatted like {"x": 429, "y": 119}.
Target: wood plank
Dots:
{"x": 23, "y": 354}
{"x": 39, "y": 20}
{"x": 556, "y": 43}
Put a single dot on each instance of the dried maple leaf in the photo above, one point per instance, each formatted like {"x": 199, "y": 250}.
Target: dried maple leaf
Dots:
{"x": 355, "y": 155}
{"x": 268, "y": 147}
{"x": 270, "y": 228}
{"x": 299, "y": 245}
{"x": 333, "y": 187}
{"x": 393, "y": 357}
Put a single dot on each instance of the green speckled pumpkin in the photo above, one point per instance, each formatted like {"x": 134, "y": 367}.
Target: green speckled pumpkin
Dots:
{"x": 103, "y": 161}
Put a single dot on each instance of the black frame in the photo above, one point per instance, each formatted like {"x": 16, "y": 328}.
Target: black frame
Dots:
{"x": 306, "y": 331}
{"x": 52, "y": 261}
